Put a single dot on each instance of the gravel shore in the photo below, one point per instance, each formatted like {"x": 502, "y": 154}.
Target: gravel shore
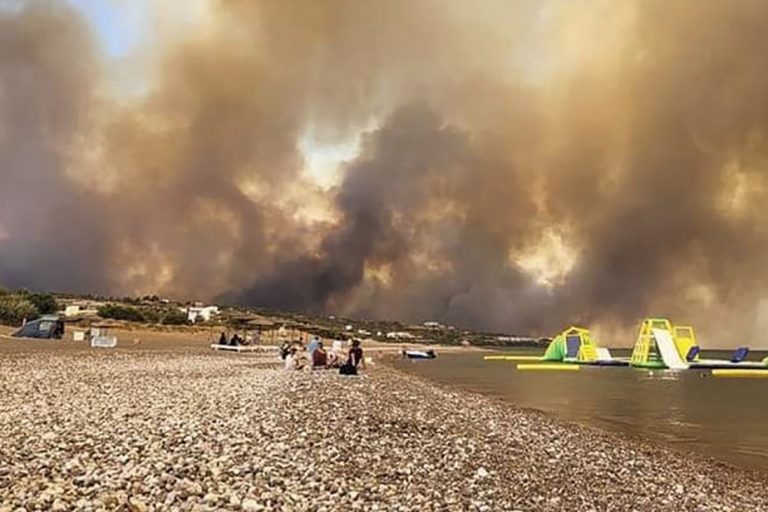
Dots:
{"x": 196, "y": 431}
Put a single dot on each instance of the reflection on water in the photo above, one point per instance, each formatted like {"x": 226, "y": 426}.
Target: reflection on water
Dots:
{"x": 723, "y": 418}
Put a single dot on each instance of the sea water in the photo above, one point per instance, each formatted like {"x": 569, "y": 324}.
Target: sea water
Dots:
{"x": 724, "y": 418}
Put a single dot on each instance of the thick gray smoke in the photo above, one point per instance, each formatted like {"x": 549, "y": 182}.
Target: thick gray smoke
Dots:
{"x": 47, "y": 237}
{"x": 412, "y": 166}
{"x": 520, "y": 165}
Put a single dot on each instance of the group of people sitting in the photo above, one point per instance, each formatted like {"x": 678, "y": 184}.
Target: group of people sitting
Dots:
{"x": 234, "y": 341}
{"x": 318, "y": 358}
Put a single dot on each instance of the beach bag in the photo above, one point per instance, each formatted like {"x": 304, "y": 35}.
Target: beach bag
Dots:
{"x": 347, "y": 369}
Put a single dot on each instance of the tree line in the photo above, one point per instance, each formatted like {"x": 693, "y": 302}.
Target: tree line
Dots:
{"x": 20, "y": 305}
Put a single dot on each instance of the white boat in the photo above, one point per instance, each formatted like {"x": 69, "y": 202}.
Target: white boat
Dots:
{"x": 419, "y": 354}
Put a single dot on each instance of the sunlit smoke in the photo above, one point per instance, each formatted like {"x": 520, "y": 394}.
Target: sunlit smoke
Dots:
{"x": 501, "y": 165}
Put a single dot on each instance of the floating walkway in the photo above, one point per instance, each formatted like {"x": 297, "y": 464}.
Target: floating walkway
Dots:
{"x": 548, "y": 367}
{"x": 741, "y": 373}
{"x": 512, "y": 358}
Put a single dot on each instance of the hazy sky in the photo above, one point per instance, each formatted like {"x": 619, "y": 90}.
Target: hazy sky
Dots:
{"x": 119, "y": 23}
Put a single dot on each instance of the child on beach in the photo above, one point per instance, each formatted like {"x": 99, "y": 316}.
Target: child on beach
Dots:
{"x": 285, "y": 350}
{"x": 334, "y": 361}
{"x": 293, "y": 361}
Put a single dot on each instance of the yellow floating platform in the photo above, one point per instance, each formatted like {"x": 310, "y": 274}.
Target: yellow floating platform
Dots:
{"x": 551, "y": 366}
{"x": 738, "y": 372}
{"x": 512, "y": 358}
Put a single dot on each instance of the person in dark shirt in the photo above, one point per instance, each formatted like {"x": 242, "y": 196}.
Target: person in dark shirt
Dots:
{"x": 355, "y": 360}
{"x": 223, "y": 339}
{"x": 355, "y": 357}
{"x": 285, "y": 349}
{"x": 319, "y": 357}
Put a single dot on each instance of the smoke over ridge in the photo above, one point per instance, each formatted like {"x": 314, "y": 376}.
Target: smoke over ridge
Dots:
{"x": 519, "y": 165}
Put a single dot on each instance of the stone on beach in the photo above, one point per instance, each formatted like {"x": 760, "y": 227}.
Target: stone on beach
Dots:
{"x": 140, "y": 430}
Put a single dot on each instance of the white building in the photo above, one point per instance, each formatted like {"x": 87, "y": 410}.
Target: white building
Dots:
{"x": 514, "y": 338}
{"x": 202, "y": 313}
{"x": 400, "y": 335}
{"x": 81, "y": 308}
{"x": 72, "y": 310}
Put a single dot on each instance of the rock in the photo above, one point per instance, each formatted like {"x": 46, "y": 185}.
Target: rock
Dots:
{"x": 136, "y": 505}
{"x": 191, "y": 431}
{"x": 251, "y": 505}
{"x": 170, "y": 498}
{"x": 110, "y": 500}
{"x": 59, "y": 506}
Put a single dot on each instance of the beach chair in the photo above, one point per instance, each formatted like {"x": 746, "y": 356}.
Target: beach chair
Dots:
{"x": 244, "y": 348}
{"x": 692, "y": 353}
{"x": 739, "y": 354}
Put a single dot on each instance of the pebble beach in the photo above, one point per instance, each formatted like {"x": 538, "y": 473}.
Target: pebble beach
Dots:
{"x": 197, "y": 431}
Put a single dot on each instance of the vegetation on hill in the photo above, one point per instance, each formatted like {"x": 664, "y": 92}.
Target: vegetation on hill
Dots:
{"x": 119, "y": 312}
{"x": 15, "y": 306}
{"x": 150, "y": 315}
{"x": 14, "y": 309}
{"x": 45, "y": 303}
{"x": 173, "y": 317}
{"x": 21, "y": 305}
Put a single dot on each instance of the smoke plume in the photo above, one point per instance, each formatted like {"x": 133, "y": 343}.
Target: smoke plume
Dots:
{"x": 517, "y": 166}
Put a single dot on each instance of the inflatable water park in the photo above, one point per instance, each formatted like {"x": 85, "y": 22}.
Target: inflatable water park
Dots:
{"x": 659, "y": 345}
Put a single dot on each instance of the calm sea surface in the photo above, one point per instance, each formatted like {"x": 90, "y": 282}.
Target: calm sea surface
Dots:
{"x": 723, "y": 418}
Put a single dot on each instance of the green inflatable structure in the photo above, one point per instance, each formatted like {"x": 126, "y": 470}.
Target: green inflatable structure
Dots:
{"x": 574, "y": 344}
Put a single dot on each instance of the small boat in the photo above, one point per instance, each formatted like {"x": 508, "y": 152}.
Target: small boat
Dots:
{"x": 419, "y": 354}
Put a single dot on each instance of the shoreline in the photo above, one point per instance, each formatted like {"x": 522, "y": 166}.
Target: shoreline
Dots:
{"x": 636, "y": 438}
{"x": 150, "y": 430}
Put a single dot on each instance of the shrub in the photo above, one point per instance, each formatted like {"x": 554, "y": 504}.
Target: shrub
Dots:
{"x": 118, "y": 312}
{"x": 151, "y": 315}
{"x": 174, "y": 317}
{"x": 14, "y": 310}
{"x": 45, "y": 303}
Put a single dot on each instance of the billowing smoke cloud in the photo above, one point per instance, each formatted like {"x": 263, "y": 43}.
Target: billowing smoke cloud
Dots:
{"x": 520, "y": 165}
{"x": 47, "y": 66}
